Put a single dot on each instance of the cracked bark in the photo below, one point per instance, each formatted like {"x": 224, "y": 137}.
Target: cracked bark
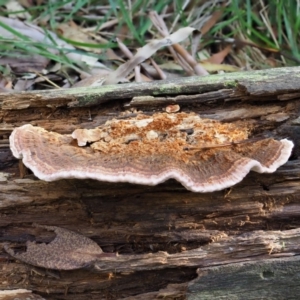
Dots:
{"x": 163, "y": 233}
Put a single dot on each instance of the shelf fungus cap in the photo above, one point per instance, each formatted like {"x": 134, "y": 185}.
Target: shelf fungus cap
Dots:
{"x": 203, "y": 154}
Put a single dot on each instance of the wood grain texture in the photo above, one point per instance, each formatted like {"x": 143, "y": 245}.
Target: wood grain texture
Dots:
{"x": 271, "y": 279}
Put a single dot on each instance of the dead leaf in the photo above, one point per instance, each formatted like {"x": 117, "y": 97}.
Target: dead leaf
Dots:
{"x": 68, "y": 251}
{"x": 22, "y": 64}
{"x": 75, "y": 33}
{"x": 5, "y": 83}
{"x": 17, "y": 10}
{"x": 37, "y": 34}
{"x": 19, "y": 294}
{"x": 142, "y": 54}
{"x": 23, "y": 85}
{"x": 180, "y": 54}
{"x": 147, "y": 51}
{"x": 213, "y": 19}
{"x": 219, "y": 57}
{"x": 241, "y": 43}
{"x": 219, "y": 67}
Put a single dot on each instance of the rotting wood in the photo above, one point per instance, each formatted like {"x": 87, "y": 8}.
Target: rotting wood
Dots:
{"x": 19, "y": 294}
{"x": 271, "y": 279}
{"x": 139, "y": 221}
{"x": 258, "y": 85}
{"x": 172, "y": 291}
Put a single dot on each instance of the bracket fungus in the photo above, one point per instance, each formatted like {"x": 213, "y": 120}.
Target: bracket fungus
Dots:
{"x": 204, "y": 155}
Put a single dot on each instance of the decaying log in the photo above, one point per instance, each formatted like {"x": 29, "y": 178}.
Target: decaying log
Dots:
{"x": 20, "y": 294}
{"x": 271, "y": 279}
{"x": 162, "y": 234}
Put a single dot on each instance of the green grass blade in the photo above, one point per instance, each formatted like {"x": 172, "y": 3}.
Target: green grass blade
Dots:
{"x": 128, "y": 21}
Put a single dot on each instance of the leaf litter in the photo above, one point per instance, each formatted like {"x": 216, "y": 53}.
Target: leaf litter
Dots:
{"x": 82, "y": 48}
{"x": 85, "y": 40}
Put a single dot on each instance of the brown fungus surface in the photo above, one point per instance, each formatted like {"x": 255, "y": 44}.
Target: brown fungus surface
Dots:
{"x": 69, "y": 250}
{"x": 204, "y": 155}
